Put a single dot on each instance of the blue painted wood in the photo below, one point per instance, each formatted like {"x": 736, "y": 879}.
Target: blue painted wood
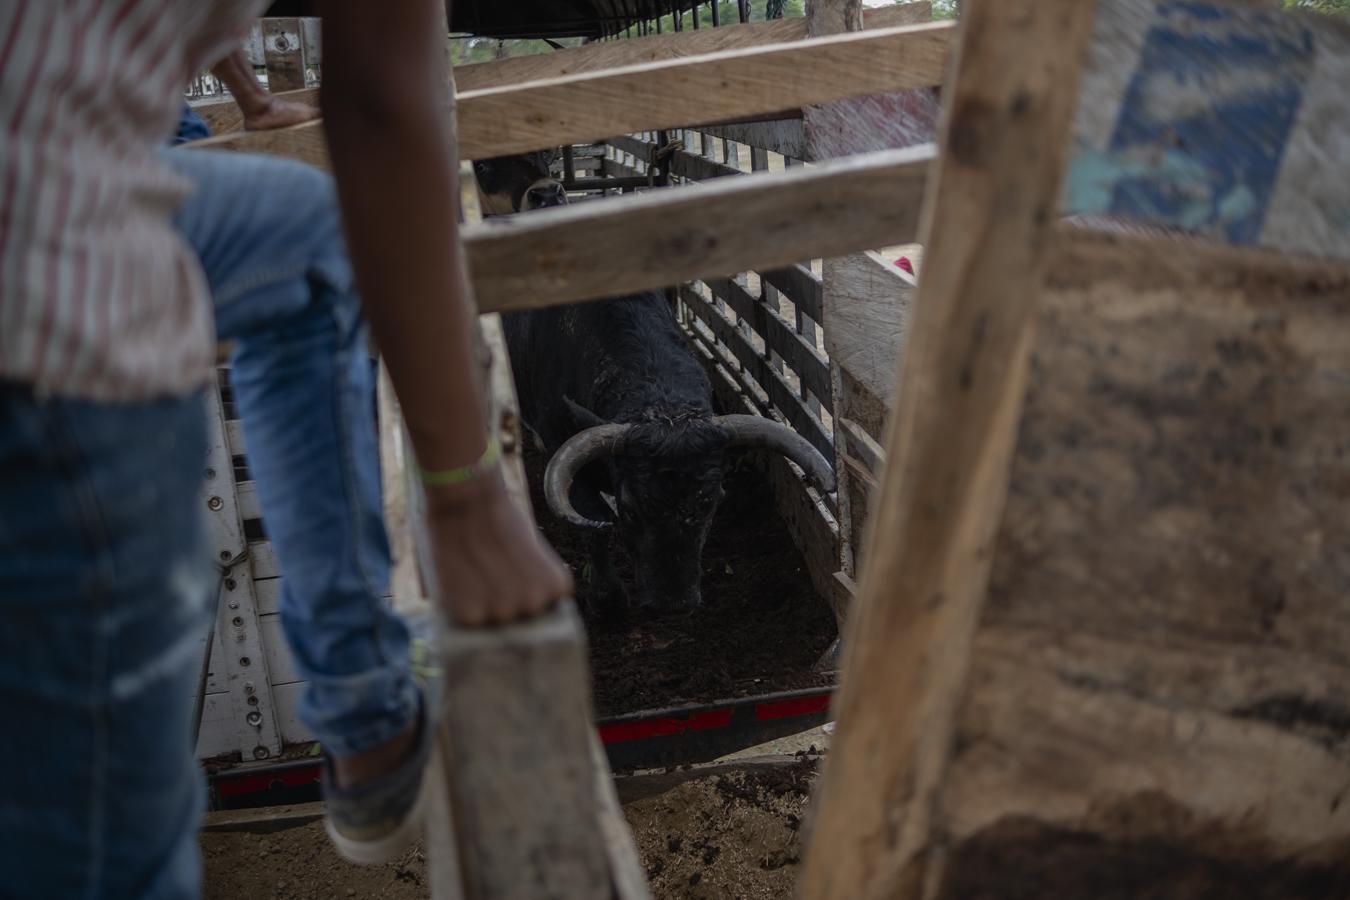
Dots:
{"x": 1208, "y": 116}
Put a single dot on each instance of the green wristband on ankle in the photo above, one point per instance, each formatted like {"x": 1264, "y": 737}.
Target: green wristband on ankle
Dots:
{"x": 451, "y": 477}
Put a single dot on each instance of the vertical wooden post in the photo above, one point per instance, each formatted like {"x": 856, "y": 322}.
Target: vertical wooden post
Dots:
{"x": 522, "y": 806}
{"x": 987, "y": 220}
{"x": 284, "y": 55}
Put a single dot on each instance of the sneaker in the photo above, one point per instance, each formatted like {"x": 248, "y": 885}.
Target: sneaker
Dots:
{"x": 376, "y": 821}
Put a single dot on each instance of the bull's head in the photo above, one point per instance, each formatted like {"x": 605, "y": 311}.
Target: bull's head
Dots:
{"x": 508, "y": 184}
{"x": 667, "y": 480}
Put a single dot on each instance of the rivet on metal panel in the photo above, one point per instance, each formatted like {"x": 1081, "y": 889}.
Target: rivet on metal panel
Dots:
{"x": 253, "y": 701}
{"x": 245, "y": 661}
{"x": 215, "y": 504}
{"x": 226, "y": 555}
{"x": 237, "y": 621}
{"x": 234, "y": 604}
{"x": 261, "y": 753}
{"x": 254, "y": 718}
{"x": 231, "y": 584}
{"x": 248, "y": 687}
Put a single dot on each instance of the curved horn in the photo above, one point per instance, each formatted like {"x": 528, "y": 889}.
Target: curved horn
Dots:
{"x": 580, "y": 449}
{"x": 766, "y": 434}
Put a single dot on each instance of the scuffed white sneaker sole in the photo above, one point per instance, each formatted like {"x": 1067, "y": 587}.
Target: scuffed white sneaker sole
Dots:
{"x": 387, "y": 847}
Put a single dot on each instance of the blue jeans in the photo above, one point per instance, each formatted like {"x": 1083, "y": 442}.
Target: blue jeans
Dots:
{"x": 269, "y": 236}
{"x": 105, "y": 581}
{"x": 191, "y": 127}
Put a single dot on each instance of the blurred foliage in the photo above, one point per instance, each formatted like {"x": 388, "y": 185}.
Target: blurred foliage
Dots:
{"x": 1331, "y": 7}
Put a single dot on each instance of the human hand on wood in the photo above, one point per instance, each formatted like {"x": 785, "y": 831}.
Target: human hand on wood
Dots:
{"x": 492, "y": 565}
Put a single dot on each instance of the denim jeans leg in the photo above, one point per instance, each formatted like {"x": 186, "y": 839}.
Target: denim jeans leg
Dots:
{"x": 268, "y": 234}
{"x": 105, "y": 583}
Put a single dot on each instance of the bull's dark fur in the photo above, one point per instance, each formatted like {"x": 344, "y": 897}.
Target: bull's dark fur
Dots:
{"x": 625, "y": 360}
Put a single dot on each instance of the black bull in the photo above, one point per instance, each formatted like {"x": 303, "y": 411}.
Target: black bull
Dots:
{"x": 625, "y": 410}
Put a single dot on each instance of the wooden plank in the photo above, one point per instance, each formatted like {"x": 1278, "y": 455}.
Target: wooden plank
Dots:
{"x": 625, "y": 866}
{"x": 636, "y": 98}
{"x": 517, "y": 735}
{"x": 284, "y": 54}
{"x": 1226, "y": 120}
{"x": 784, "y": 136}
{"x": 405, "y": 579}
{"x": 1161, "y": 661}
{"x": 672, "y": 236}
{"x": 780, "y": 393}
{"x": 682, "y": 163}
{"x": 262, "y": 821}
{"x": 866, "y": 320}
{"x": 871, "y": 453}
{"x": 777, "y": 335}
{"x": 802, "y": 286}
{"x": 600, "y": 55}
{"x": 907, "y": 646}
{"x": 579, "y": 108}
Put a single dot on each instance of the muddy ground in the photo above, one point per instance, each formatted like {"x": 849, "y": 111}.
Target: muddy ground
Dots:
{"x": 730, "y": 837}
{"x": 761, "y": 627}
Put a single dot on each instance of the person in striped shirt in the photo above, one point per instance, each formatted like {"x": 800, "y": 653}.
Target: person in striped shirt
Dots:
{"x": 120, "y": 259}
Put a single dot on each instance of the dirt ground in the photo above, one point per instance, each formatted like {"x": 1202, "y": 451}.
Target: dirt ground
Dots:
{"x": 730, "y": 837}
{"x": 300, "y": 864}
{"x": 761, "y": 627}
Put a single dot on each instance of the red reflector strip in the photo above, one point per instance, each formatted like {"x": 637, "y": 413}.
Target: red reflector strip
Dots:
{"x": 786, "y": 709}
{"x": 252, "y": 784}
{"x": 619, "y": 732}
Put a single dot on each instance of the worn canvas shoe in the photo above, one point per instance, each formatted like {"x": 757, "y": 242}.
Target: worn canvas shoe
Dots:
{"x": 376, "y": 821}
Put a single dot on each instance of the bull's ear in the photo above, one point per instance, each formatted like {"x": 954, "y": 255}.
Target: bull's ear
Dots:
{"x": 581, "y": 416}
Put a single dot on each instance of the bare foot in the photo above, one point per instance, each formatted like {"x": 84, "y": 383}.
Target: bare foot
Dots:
{"x": 279, "y": 114}
{"x": 350, "y": 771}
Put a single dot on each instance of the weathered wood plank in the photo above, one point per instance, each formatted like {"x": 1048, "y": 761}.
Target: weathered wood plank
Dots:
{"x": 592, "y": 106}
{"x": 801, "y": 285}
{"x": 396, "y": 465}
{"x": 602, "y": 55}
{"x": 682, "y": 163}
{"x": 866, "y": 320}
{"x": 262, "y": 821}
{"x": 517, "y": 735}
{"x": 1162, "y": 654}
{"x": 907, "y": 647}
{"x": 780, "y": 393}
{"x": 712, "y": 87}
{"x": 1227, "y": 120}
{"x": 672, "y": 236}
{"x": 784, "y": 136}
{"x": 284, "y": 53}
{"x": 777, "y": 335}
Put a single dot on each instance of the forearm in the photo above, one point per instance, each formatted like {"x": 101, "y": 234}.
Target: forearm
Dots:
{"x": 397, "y": 173}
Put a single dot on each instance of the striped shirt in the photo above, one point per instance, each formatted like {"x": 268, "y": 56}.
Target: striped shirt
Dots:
{"x": 99, "y": 298}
